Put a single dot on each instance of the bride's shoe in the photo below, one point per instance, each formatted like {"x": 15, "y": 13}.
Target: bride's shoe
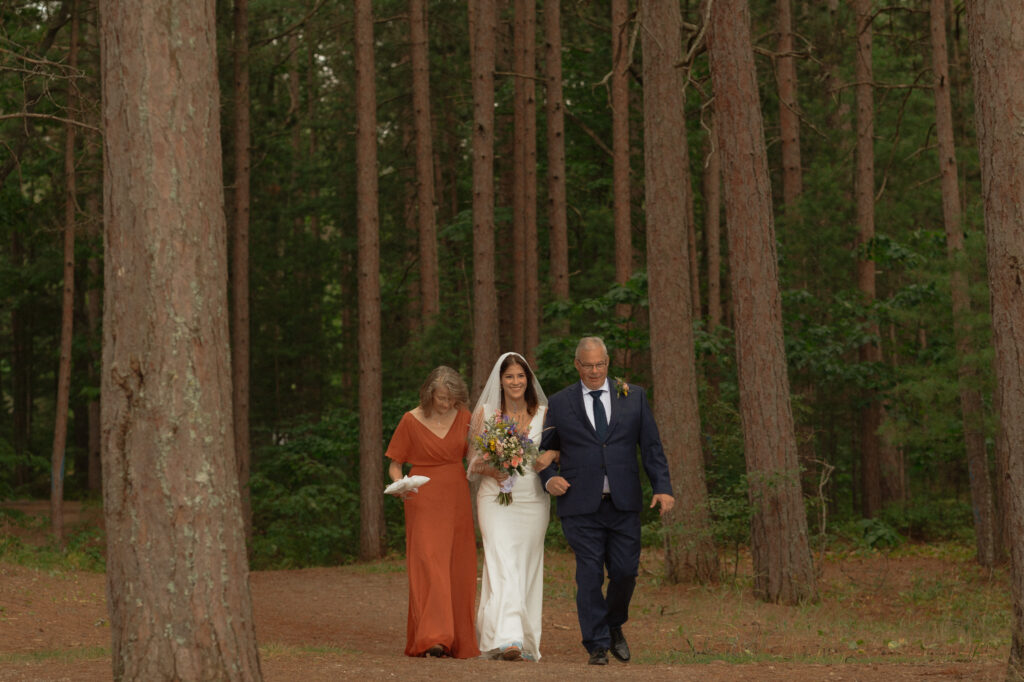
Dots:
{"x": 512, "y": 653}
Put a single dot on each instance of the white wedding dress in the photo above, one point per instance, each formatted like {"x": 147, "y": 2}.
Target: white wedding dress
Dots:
{"x": 512, "y": 589}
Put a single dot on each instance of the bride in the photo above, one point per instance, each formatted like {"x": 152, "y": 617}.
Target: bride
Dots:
{"x": 508, "y": 620}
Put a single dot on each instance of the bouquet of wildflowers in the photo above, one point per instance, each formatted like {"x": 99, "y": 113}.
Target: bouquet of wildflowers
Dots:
{"x": 506, "y": 447}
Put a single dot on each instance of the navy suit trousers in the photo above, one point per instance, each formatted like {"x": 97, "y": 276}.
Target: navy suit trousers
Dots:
{"x": 607, "y": 539}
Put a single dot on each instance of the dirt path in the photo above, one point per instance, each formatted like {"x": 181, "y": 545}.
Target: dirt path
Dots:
{"x": 349, "y": 623}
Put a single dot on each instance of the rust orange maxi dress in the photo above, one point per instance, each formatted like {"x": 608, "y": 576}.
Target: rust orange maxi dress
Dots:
{"x": 440, "y": 547}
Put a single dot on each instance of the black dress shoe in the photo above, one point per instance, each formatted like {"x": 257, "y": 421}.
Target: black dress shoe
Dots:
{"x": 620, "y": 649}
{"x": 598, "y": 657}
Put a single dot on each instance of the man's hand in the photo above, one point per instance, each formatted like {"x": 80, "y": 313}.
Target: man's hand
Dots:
{"x": 557, "y": 486}
{"x": 666, "y": 501}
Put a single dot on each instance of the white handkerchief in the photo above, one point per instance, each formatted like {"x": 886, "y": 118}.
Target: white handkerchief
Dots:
{"x": 405, "y": 484}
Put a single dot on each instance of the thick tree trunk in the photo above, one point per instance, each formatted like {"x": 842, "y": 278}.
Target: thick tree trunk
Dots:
{"x": 970, "y": 396}
{"x": 430, "y": 297}
{"x": 996, "y": 37}
{"x": 691, "y": 554}
{"x": 60, "y": 429}
{"x": 240, "y": 347}
{"x": 779, "y": 544}
{"x": 485, "y": 296}
{"x": 177, "y": 577}
{"x": 555, "y": 115}
{"x": 371, "y": 448}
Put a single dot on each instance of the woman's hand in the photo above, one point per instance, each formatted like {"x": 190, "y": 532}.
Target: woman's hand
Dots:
{"x": 545, "y": 459}
{"x": 479, "y": 466}
{"x": 395, "y": 472}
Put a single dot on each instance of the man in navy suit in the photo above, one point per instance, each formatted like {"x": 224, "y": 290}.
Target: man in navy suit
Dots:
{"x": 597, "y": 426}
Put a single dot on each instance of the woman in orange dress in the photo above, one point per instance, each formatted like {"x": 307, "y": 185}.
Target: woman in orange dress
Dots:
{"x": 440, "y": 546}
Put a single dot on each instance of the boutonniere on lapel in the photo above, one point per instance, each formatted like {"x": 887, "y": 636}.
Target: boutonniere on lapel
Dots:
{"x": 621, "y": 388}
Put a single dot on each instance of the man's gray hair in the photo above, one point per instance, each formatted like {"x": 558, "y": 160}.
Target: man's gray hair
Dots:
{"x": 591, "y": 342}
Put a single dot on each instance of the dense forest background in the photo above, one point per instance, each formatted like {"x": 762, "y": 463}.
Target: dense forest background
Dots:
{"x": 303, "y": 245}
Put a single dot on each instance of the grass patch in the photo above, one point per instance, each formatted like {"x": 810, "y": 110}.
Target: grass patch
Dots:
{"x": 26, "y": 541}
{"x": 393, "y": 563}
{"x": 57, "y": 655}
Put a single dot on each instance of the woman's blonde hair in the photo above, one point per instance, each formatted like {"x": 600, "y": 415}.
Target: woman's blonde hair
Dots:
{"x": 450, "y": 379}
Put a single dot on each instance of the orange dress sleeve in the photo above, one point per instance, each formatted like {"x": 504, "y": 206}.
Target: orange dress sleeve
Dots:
{"x": 400, "y": 448}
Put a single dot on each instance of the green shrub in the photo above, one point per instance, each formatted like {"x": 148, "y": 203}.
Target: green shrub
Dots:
{"x": 305, "y": 494}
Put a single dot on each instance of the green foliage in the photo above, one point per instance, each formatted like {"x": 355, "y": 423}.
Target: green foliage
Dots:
{"x": 305, "y": 493}
{"x": 303, "y": 269}
{"x": 592, "y": 317}
{"x": 83, "y": 549}
{"x": 931, "y": 520}
{"x": 876, "y": 533}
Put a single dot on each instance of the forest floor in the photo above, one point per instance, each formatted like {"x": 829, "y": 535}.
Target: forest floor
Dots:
{"x": 926, "y": 614}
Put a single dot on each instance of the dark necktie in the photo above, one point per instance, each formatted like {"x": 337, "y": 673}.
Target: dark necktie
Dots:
{"x": 600, "y": 419}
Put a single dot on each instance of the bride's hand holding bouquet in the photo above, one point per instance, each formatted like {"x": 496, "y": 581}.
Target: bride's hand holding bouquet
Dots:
{"x": 507, "y": 449}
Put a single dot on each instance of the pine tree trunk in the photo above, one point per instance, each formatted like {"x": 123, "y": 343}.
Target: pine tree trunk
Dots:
{"x": 517, "y": 331}
{"x": 619, "y": 97}
{"x": 555, "y": 115}
{"x": 430, "y": 297}
{"x": 789, "y": 118}
{"x": 970, "y": 397}
{"x": 996, "y": 37}
{"x": 240, "y": 347}
{"x": 60, "y": 429}
{"x": 779, "y": 544}
{"x": 93, "y": 315}
{"x": 881, "y": 474}
{"x": 177, "y": 576}
{"x": 531, "y": 293}
{"x": 485, "y": 295}
{"x": 371, "y": 448}
{"x": 712, "y": 184}
{"x": 690, "y": 551}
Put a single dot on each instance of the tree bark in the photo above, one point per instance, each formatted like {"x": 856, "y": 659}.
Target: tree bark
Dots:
{"x": 60, "y": 429}
{"x": 619, "y": 97}
{"x": 517, "y": 335}
{"x": 240, "y": 346}
{"x": 789, "y": 118}
{"x": 177, "y": 576}
{"x": 531, "y": 291}
{"x": 555, "y": 115}
{"x": 94, "y": 312}
{"x": 371, "y": 449}
{"x": 779, "y": 544}
{"x": 690, "y": 550}
{"x": 881, "y": 468}
{"x": 426, "y": 211}
{"x": 970, "y": 396}
{"x": 712, "y": 184}
{"x": 485, "y": 296}
{"x": 996, "y": 40}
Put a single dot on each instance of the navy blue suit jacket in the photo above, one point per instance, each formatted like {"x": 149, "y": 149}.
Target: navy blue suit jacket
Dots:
{"x": 584, "y": 460}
